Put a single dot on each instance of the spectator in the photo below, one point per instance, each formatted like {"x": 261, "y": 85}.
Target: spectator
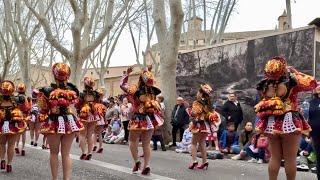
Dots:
{"x": 125, "y": 114}
{"x": 157, "y": 136}
{"x": 179, "y": 120}
{"x": 115, "y": 125}
{"x": 185, "y": 145}
{"x": 257, "y": 149}
{"x": 245, "y": 139}
{"x": 305, "y": 109}
{"x": 232, "y": 110}
{"x": 305, "y": 149}
{"x": 115, "y": 139}
{"x": 314, "y": 114}
{"x": 112, "y": 110}
{"x": 213, "y": 136}
{"x": 229, "y": 140}
{"x": 305, "y": 146}
{"x": 158, "y": 132}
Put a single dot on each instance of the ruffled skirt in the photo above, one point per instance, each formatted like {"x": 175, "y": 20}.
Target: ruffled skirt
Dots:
{"x": 200, "y": 126}
{"x": 145, "y": 122}
{"x": 100, "y": 121}
{"x": 291, "y": 122}
{"x": 61, "y": 124}
{"x": 89, "y": 119}
{"x": 12, "y": 127}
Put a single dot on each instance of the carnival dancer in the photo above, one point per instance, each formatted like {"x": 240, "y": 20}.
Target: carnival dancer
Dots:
{"x": 278, "y": 113}
{"x": 101, "y": 122}
{"x": 24, "y": 104}
{"x": 89, "y": 112}
{"x": 57, "y": 114}
{"x": 12, "y": 123}
{"x": 203, "y": 118}
{"x": 146, "y": 115}
{"x": 34, "y": 124}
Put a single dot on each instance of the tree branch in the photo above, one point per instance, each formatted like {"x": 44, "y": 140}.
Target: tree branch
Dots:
{"x": 49, "y": 36}
{"x": 106, "y": 29}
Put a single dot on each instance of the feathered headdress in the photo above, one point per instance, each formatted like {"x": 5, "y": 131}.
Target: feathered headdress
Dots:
{"x": 275, "y": 68}
{"x": 61, "y": 71}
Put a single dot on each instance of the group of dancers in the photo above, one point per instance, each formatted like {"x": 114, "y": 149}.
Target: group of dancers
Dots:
{"x": 63, "y": 111}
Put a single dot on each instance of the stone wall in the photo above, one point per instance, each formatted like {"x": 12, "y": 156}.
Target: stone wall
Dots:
{"x": 239, "y": 66}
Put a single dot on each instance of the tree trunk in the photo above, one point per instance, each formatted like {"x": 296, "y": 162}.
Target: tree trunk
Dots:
{"x": 76, "y": 70}
{"x": 168, "y": 83}
{"x": 26, "y": 68}
{"x": 101, "y": 78}
{"x": 169, "y": 44}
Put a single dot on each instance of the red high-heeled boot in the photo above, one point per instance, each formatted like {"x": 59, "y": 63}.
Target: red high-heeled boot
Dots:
{"x": 9, "y": 168}
{"x": 204, "y": 166}
{"x": 193, "y": 165}
{"x": 136, "y": 167}
{"x": 146, "y": 171}
{"x": 3, "y": 164}
{"x": 100, "y": 150}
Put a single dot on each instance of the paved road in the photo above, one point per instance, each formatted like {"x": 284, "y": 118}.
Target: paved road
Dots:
{"x": 116, "y": 163}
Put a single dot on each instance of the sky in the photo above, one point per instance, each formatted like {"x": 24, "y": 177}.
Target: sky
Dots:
{"x": 250, "y": 15}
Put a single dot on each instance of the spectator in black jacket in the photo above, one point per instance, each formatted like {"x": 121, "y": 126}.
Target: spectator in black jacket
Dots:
{"x": 179, "y": 120}
{"x": 232, "y": 110}
{"x": 314, "y": 121}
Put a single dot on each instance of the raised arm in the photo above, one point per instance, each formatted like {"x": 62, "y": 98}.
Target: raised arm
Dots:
{"x": 124, "y": 85}
{"x": 304, "y": 82}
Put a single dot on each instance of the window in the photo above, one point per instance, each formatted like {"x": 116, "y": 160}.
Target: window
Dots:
{"x": 107, "y": 72}
{"x": 200, "y": 42}
{"x": 91, "y": 73}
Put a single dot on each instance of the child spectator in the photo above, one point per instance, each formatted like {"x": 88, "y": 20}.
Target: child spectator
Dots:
{"x": 229, "y": 140}
{"x": 158, "y": 135}
{"x": 115, "y": 125}
{"x": 257, "y": 149}
{"x": 116, "y": 139}
{"x": 213, "y": 136}
{"x": 305, "y": 152}
{"x": 185, "y": 145}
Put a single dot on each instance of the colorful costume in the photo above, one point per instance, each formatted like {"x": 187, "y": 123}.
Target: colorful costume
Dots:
{"x": 278, "y": 110}
{"x": 146, "y": 110}
{"x": 90, "y": 109}
{"x": 55, "y": 104}
{"x": 101, "y": 112}
{"x": 203, "y": 117}
{"x": 24, "y": 103}
{"x": 12, "y": 120}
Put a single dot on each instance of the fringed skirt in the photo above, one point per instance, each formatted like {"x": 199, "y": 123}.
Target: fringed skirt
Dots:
{"x": 291, "y": 122}
{"x": 61, "y": 124}
{"x": 12, "y": 127}
{"x": 200, "y": 126}
{"x": 145, "y": 122}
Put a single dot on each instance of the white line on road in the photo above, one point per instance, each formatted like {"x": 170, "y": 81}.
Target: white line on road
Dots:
{"x": 109, "y": 166}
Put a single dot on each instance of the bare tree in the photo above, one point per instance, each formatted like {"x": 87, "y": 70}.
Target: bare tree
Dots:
{"x": 8, "y": 50}
{"x": 168, "y": 39}
{"x": 101, "y": 56}
{"x": 144, "y": 26}
{"x": 214, "y": 12}
{"x": 23, "y": 29}
{"x": 83, "y": 44}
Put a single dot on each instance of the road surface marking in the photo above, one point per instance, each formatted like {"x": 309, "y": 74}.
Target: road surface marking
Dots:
{"x": 109, "y": 166}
